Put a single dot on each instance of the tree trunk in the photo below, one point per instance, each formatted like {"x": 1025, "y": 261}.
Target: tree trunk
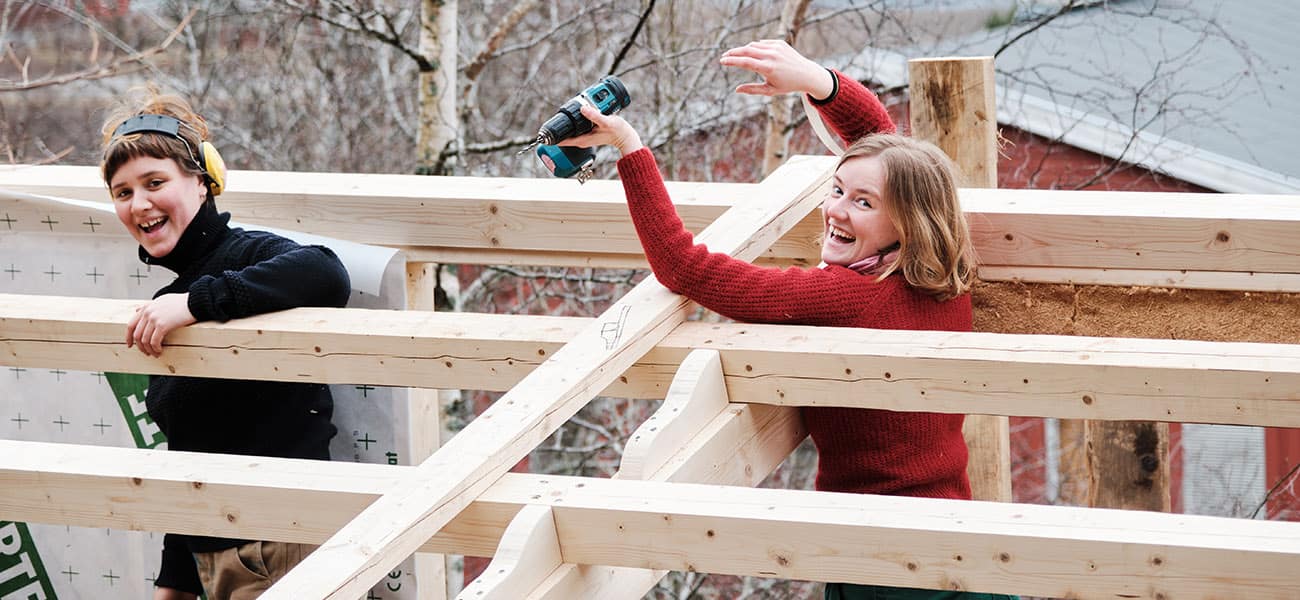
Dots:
{"x": 778, "y": 108}
{"x": 437, "y": 86}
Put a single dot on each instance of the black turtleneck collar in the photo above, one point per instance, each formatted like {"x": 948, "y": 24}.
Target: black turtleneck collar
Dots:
{"x": 207, "y": 228}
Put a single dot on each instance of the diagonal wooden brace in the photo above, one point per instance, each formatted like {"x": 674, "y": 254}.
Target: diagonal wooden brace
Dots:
{"x": 395, "y": 525}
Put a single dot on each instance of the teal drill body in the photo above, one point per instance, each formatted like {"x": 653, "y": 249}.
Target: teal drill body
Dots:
{"x": 608, "y": 96}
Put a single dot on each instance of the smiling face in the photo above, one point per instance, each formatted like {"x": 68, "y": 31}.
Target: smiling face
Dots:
{"x": 156, "y": 201}
{"x": 856, "y": 222}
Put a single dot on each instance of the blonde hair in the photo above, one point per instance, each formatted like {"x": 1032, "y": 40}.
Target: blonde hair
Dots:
{"x": 149, "y": 100}
{"x": 920, "y": 190}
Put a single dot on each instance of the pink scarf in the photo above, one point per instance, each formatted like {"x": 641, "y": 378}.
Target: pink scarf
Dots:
{"x": 875, "y": 264}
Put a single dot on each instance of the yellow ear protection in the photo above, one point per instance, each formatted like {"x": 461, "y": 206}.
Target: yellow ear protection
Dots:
{"x": 207, "y": 159}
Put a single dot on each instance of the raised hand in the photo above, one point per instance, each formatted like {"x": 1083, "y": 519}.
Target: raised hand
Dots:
{"x": 153, "y": 321}
{"x": 610, "y": 130}
{"x": 782, "y": 68}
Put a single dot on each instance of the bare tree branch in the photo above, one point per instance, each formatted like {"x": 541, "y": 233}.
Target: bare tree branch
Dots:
{"x": 631, "y": 39}
{"x": 1038, "y": 24}
{"x": 131, "y": 63}
{"x": 494, "y": 39}
{"x": 358, "y": 22}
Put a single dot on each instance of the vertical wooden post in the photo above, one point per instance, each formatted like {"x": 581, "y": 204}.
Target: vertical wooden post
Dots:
{"x": 1128, "y": 465}
{"x": 952, "y": 106}
{"x": 424, "y": 427}
{"x": 778, "y": 108}
{"x": 1073, "y": 463}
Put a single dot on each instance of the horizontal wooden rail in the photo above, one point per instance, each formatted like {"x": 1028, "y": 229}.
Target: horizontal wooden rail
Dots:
{"x": 1060, "y": 552}
{"x": 1123, "y": 238}
{"x": 985, "y": 373}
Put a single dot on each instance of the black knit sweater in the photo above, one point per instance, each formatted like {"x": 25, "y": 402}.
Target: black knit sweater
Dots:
{"x": 229, "y": 274}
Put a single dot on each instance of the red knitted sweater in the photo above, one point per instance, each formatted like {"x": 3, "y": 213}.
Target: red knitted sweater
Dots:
{"x": 861, "y": 450}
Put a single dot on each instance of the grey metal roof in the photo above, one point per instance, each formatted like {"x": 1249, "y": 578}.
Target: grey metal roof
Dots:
{"x": 1215, "y": 77}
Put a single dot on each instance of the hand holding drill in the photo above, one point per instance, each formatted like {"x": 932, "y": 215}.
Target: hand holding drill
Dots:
{"x": 572, "y": 121}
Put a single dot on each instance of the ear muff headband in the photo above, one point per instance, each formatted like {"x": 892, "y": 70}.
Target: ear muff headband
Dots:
{"x": 207, "y": 159}
{"x": 214, "y": 166}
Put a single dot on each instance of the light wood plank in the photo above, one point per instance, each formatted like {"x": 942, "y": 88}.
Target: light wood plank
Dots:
{"x": 529, "y": 552}
{"x": 1038, "y": 375}
{"x": 741, "y": 446}
{"x": 394, "y": 526}
{"x": 490, "y": 213}
{"x": 986, "y": 373}
{"x": 697, "y": 395}
{"x": 558, "y": 223}
{"x": 547, "y": 258}
{"x": 1062, "y": 552}
{"x": 1134, "y": 230}
{"x": 424, "y": 428}
{"x": 692, "y": 435}
{"x": 1192, "y": 280}
{"x": 598, "y": 582}
{"x": 1046, "y": 551}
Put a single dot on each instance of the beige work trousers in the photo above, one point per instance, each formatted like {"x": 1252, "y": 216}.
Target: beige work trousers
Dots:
{"x": 244, "y": 572}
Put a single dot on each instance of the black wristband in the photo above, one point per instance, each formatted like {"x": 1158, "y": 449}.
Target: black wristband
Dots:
{"x": 835, "y": 89}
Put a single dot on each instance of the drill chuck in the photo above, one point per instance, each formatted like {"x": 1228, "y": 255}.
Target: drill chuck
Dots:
{"x": 568, "y": 122}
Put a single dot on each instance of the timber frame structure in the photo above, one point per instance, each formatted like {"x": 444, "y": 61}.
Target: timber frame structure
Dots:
{"x": 731, "y": 394}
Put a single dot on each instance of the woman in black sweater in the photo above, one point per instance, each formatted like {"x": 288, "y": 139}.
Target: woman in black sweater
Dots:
{"x": 163, "y": 176}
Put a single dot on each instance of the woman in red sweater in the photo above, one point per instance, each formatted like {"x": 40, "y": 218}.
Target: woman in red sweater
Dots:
{"x": 896, "y": 255}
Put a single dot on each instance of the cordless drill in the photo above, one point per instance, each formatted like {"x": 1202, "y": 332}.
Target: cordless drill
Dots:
{"x": 608, "y": 96}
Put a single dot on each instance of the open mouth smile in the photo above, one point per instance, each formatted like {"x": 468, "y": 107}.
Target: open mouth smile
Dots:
{"x": 839, "y": 235}
{"x": 153, "y": 225}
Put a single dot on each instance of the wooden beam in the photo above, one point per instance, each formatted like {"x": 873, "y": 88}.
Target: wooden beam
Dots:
{"x": 1191, "y": 280}
{"x": 940, "y": 544}
{"x": 553, "y": 222}
{"x": 1128, "y": 465}
{"x": 697, "y": 390}
{"x": 424, "y": 428}
{"x": 986, "y": 373}
{"x": 529, "y": 552}
{"x": 1062, "y": 552}
{"x": 244, "y": 497}
{"x": 696, "y": 396}
{"x": 1134, "y": 230}
{"x": 487, "y": 213}
{"x": 740, "y": 446}
{"x": 1072, "y": 463}
{"x": 394, "y": 526}
{"x": 695, "y": 436}
{"x": 264, "y": 498}
{"x": 546, "y": 258}
{"x": 952, "y": 106}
